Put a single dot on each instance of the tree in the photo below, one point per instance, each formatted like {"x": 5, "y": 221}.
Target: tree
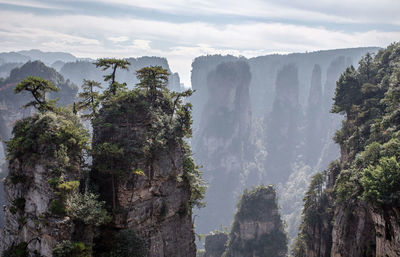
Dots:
{"x": 90, "y": 98}
{"x": 382, "y": 182}
{"x": 113, "y": 64}
{"x": 348, "y": 92}
{"x": 38, "y": 88}
{"x": 153, "y": 79}
{"x": 367, "y": 69}
{"x": 312, "y": 198}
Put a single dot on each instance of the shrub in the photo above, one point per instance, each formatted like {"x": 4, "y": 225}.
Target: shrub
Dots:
{"x": 382, "y": 182}
{"x": 70, "y": 249}
{"x": 194, "y": 176}
{"x": 87, "y": 208}
{"x": 69, "y": 186}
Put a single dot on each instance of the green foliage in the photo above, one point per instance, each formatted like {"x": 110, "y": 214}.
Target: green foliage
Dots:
{"x": 347, "y": 92}
{"x": 89, "y": 98}
{"x": 299, "y": 246}
{"x": 194, "y": 176}
{"x": 68, "y": 248}
{"x": 153, "y": 80}
{"x": 257, "y": 205}
{"x": 38, "y": 87}
{"x": 113, "y": 64}
{"x": 68, "y": 187}
{"x": 109, "y": 158}
{"x": 128, "y": 244}
{"x": 369, "y": 141}
{"x": 19, "y": 250}
{"x": 381, "y": 182}
{"x": 159, "y": 121}
{"x": 87, "y": 208}
{"x": 254, "y": 203}
{"x": 372, "y": 153}
{"x": 46, "y": 134}
{"x": 315, "y": 199}
{"x": 348, "y": 186}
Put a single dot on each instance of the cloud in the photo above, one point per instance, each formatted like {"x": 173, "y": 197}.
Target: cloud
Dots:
{"x": 334, "y": 11}
{"x": 180, "y": 43}
{"x": 142, "y": 44}
{"x": 32, "y": 4}
{"x": 118, "y": 39}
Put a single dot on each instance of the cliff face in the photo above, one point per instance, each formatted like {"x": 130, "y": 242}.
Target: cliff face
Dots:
{"x": 141, "y": 168}
{"x": 257, "y": 229}
{"x": 215, "y": 244}
{"x": 359, "y": 195}
{"x": 42, "y": 173}
{"x": 11, "y": 105}
{"x": 221, "y": 143}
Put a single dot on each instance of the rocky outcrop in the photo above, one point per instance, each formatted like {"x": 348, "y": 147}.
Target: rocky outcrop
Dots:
{"x": 365, "y": 230}
{"x": 11, "y": 105}
{"x": 41, "y": 174}
{"x": 258, "y": 228}
{"x": 140, "y": 168}
{"x": 356, "y": 206}
{"x": 215, "y": 244}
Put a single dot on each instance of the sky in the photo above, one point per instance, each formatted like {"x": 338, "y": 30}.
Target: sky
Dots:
{"x": 181, "y": 30}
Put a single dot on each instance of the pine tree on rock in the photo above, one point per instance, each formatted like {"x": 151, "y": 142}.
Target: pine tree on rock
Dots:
{"x": 38, "y": 88}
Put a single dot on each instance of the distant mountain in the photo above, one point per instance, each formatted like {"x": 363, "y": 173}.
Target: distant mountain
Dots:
{"x": 14, "y": 57}
{"x": 7, "y": 67}
{"x": 79, "y": 70}
{"x": 48, "y": 57}
{"x": 76, "y": 69}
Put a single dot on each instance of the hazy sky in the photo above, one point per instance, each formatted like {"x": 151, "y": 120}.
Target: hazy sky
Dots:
{"x": 183, "y": 29}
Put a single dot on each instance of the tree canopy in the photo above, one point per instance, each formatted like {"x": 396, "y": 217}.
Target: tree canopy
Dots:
{"x": 113, "y": 64}
{"x": 38, "y": 87}
{"x": 90, "y": 99}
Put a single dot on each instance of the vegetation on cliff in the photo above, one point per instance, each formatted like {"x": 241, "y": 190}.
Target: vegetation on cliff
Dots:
{"x": 369, "y": 170}
{"x": 56, "y": 140}
{"x": 257, "y": 229}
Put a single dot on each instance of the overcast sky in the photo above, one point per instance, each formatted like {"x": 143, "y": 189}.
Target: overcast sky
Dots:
{"x": 180, "y": 30}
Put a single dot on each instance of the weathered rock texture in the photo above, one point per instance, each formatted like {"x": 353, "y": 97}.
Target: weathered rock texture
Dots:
{"x": 257, "y": 230}
{"x": 32, "y": 223}
{"x": 152, "y": 194}
{"x": 33, "y": 210}
{"x": 365, "y": 230}
{"x": 353, "y": 209}
{"x": 11, "y": 105}
{"x": 215, "y": 244}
